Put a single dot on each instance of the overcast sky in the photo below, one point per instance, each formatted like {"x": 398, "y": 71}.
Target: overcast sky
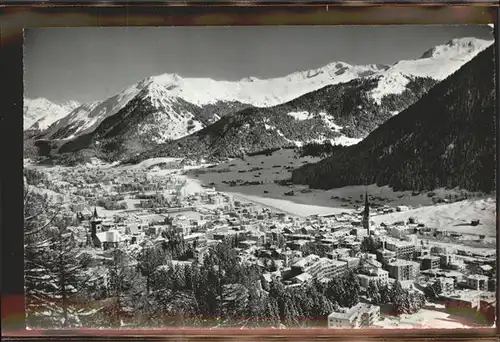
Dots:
{"x": 90, "y": 64}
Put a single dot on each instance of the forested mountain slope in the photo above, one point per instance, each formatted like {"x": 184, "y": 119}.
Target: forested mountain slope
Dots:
{"x": 446, "y": 139}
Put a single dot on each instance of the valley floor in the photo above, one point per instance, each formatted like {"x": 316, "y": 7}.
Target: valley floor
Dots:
{"x": 450, "y": 217}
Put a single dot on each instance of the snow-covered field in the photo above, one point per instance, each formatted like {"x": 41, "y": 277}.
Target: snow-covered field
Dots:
{"x": 428, "y": 318}
{"x": 192, "y": 186}
{"x": 151, "y": 162}
{"x": 289, "y": 207}
{"x": 267, "y": 169}
{"x": 453, "y": 217}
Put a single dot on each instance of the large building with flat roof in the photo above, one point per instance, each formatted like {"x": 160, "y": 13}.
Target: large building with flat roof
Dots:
{"x": 403, "y": 249}
{"x": 360, "y": 315}
{"x": 378, "y": 275}
{"x": 403, "y": 269}
{"x": 429, "y": 262}
{"x": 477, "y": 282}
{"x": 462, "y": 299}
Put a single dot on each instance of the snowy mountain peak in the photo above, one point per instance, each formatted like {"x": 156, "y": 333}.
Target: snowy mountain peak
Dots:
{"x": 439, "y": 62}
{"x": 38, "y": 100}
{"x": 157, "y": 93}
{"x": 166, "y": 80}
{"x": 71, "y": 104}
{"x": 338, "y": 65}
{"x": 457, "y": 47}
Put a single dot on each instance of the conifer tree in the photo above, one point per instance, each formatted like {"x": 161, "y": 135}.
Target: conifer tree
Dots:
{"x": 149, "y": 260}
{"x": 430, "y": 292}
{"x": 69, "y": 275}
{"x": 373, "y": 292}
{"x": 353, "y": 289}
{"x": 53, "y": 272}
{"x": 271, "y": 312}
{"x": 121, "y": 286}
{"x": 385, "y": 292}
{"x": 396, "y": 291}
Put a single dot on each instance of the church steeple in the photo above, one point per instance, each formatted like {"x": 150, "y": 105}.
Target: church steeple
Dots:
{"x": 94, "y": 224}
{"x": 366, "y": 215}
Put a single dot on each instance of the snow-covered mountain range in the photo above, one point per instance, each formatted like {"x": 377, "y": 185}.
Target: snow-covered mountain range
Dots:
{"x": 445, "y": 139}
{"x": 40, "y": 113}
{"x": 167, "y": 107}
{"x": 438, "y": 63}
{"x": 167, "y": 90}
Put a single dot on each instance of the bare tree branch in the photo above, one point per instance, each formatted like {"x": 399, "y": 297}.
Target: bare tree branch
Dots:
{"x": 39, "y": 229}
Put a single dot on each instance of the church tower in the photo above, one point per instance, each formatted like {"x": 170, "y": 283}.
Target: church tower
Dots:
{"x": 366, "y": 215}
{"x": 94, "y": 224}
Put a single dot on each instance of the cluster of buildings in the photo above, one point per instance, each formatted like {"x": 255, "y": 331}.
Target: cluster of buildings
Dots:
{"x": 266, "y": 237}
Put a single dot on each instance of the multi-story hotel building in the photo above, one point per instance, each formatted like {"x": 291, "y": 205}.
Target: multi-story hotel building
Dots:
{"x": 357, "y": 316}
{"x": 403, "y": 269}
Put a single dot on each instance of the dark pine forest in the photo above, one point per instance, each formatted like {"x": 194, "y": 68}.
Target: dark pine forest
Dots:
{"x": 446, "y": 139}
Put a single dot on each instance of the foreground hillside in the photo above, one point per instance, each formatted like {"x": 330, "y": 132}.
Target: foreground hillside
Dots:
{"x": 447, "y": 139}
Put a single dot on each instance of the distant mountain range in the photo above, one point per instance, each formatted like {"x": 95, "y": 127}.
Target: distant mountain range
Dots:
{"x": 446, "y": 139}
{"x": 40, "y": 113}
{"x": 180, "y": 103}
{"x": 171, "y": 115}
{"x": 342, "y": 114}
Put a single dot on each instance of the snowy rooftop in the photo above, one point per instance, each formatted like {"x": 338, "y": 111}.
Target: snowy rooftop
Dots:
{"x": 401, "y": 262}
{"x": 306, "y": 261}
{"x": 477, "y": 277}
{"x": 348, "y": 313}
{"x": 465, "y": 295}
{"x": 303, "y": 277}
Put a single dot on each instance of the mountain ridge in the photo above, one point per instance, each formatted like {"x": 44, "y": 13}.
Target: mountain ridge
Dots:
{"x": 167, "y": 115}
{"x": 256, "y": 92}
{"x": 341, "y": 113}
{"x": 446, "y": 139}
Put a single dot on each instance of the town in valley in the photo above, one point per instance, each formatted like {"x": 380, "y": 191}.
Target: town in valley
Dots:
{"x": 161, "y": 206}
{"x": 175, "y": 183}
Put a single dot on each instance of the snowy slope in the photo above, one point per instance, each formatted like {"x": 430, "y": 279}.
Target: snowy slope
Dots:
{"x": 167, "y": 121}
{"x": 451, "y": 217}
{"x": 40, "y": 113}
{"x": 438, "y": 63}
{"x": 89, "y": 116}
